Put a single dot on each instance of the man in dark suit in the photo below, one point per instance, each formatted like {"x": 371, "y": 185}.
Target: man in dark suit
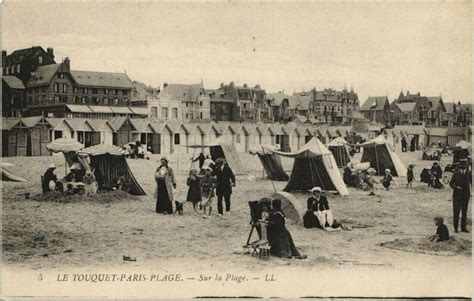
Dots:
{"x": 460, "y": 183}
{"x": 225, "y": 182}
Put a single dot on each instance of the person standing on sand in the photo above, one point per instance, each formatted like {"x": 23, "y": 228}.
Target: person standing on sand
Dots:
{"x": 410, "y": 176}
{"x": 225, "y": 181}
{"x": 201, "y": 158}
{"x": 194, "y": 191}
{"x": 404, "y": 145}
{"x": 165, "y": 182}
{"x": 461, "y": 186}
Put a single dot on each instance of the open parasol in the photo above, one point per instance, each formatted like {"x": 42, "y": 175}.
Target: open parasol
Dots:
{"x": 65, "y": 146}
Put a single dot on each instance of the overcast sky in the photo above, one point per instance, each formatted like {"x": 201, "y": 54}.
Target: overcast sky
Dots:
{"x": 378, "y": 49}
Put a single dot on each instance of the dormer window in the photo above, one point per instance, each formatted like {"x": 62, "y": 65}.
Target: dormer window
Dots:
{"x": 40, "y": 59}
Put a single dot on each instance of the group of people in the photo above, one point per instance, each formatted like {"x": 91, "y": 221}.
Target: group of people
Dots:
{"x": 136, "y": 150}
{"x": 80, "y": 180}
{"x": 216, "y": 179}
{"x": 274, "y": 232}
{"x": 405, "y": 144}
{"x": 356, "y": 178}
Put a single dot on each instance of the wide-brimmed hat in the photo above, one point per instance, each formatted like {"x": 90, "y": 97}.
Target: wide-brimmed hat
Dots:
{"x": 316, "y": 188}
{"x": 52, "y": 166}
{"x": 388, "y": 170}
{"x": 164, "y": 158}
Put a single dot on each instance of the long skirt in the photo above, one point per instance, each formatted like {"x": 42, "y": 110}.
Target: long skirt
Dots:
{"x": 282, "y": 244}
{"x": 163, "y": 202}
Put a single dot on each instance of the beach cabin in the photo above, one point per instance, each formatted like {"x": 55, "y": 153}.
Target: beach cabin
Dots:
{"x": 251, "y": 136}
{"x": 38, "y": 135}
{"x": 437, "y": 135}
{"x": 162, "y": 138}
{"x": 455, "y": 135}
{"x": 61, "y": 128}
{"x": 293, "y": 135}
{"x": 123, "y": 130}
{"x": 419, "y": 132}
{"x": 305, "y": 134}
{"x": 104, "y": 129}
{"x": 242, "y": 137}
{"x": 14, "y": 137}
{"x": 228, "y": 130}
{"x": 264, "y": 134}
{"x": 84, "y": 132}
{"x": 282, "y": 139}
{"x": 209, "y": 132}
{"x": 143, "y": 132}
{"x": 321, "y": 132}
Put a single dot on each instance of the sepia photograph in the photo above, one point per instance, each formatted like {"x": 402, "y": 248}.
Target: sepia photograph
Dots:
{"x": 236, "y": 149}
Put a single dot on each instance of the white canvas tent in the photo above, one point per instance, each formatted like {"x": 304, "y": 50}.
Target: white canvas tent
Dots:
{"x": 381, "y": 157}
{"x": 314, "y": 166}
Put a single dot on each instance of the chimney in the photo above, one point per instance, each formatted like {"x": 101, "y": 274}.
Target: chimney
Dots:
{"x": 50, "y": 52}
{"x": 165, "y": 85}
{"x": 67, "y": 63}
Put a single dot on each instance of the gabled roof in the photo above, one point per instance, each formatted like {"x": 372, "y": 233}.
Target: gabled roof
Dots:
{"x": 300, "y": 101}
{"x": 442, "y": 132}
{"x": 102, "y": 79}
{"x": 301, "y": 118}
{"x": 411, "y": 129}
{"x": 456, "y": 131}
{"x": 32, "y": 121}
{"x": 79, "y": 108}
{"x": 117, "y": 122}
{"x": 183, "y": 91}
{"x": 374, "y": 103}
{"x": 13, "y": 82}
{"x": 290, "y": 127}
{"x": 249, "y": 128}
{"x": 8, "y": 123}
{"x": 43, "y": 75}
{"x": 80, "y": 123}
{"x": 304, "y": 129}
{"x": 276, "y": 98}
{"x": 407, "y": 107}
{"x": 450, "y": 107}
{"x": 98, "y": 124}
{"x": 20, "y": 55}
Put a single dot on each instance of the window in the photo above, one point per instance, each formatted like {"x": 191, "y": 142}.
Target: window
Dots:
{"x": 174, "y": 113}
{"x": 186, "y": 115}
{"x": 200, "y": 103}
{"x": 116, "y": 101}
{"x": 18, "y": 68}
{"x": 124, "y": 92}
{"x": 164, "y": 112}
{"x": 186, "y": 104}
{"x": 56, "y": 87}
{"x": 40, "y": 59}
{"x": 75, "y": 89}
{"x": 60, "y": 75}
{"x": 237, "y": 138}
{"x": 94, "y": 91}
{"x": 277, "y": 140}
{"x": 106, "y": 101}
{"x": 200, "y": 115}
{"x": 176, "y": 139}
{"x": 154, "y": 112}
{"x": 106, "y": 91}
{"x": 56, "y": 98}
{"x": 65, "y": 88}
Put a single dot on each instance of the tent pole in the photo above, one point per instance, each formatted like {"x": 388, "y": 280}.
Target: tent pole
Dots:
{"x": 273, "y": 184}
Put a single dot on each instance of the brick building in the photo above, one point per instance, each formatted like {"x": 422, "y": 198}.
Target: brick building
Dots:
{"x": 13, "y": 92}
{"x": 57, "y": 91}
{"x": 21, "y": 63}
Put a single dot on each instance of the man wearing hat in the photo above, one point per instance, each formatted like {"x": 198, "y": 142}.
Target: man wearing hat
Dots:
{"x": 460, "y": 183}
{"x": 225, "y": 181}
{"x": 49, "y": 176}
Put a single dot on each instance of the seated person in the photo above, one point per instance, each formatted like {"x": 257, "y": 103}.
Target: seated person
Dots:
{"x": 49, "y": 176}
{"x": 74, "y": 175}
{"x": 349, "y": 177}
{"x": 442, "y": 232}
{"x": 319, "y": 215}
{"x": 387, "y": 179}
{"x": 120, "y": 183}
{"x": 279, "y": 238}
{"x": 100, "y": 179}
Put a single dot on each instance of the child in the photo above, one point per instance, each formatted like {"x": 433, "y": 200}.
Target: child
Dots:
{"x": 208, "y": 182}
{"x": 194, "y": 191}
{"x": 442, "y": 232}
{"x": 410, "y": 176}
{"x": 387, "y": 179}
{"x": 263, "y": 222}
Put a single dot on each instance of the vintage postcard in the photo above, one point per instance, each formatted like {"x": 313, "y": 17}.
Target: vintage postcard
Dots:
{"x": 236, "y": 149}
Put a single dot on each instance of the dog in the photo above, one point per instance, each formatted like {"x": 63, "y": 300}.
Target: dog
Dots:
{"x": 179, "y": 207}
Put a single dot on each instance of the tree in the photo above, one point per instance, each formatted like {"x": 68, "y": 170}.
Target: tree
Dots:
{"x": 257, "y": 86}
{"x": 245, "y": 86}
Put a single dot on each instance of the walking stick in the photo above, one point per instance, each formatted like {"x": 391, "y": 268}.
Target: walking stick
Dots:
{"x": 274, "y": 188}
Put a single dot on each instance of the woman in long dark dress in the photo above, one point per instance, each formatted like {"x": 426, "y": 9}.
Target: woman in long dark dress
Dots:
{"x": 165, "y": 182}
{"x": 279, "y": 238}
